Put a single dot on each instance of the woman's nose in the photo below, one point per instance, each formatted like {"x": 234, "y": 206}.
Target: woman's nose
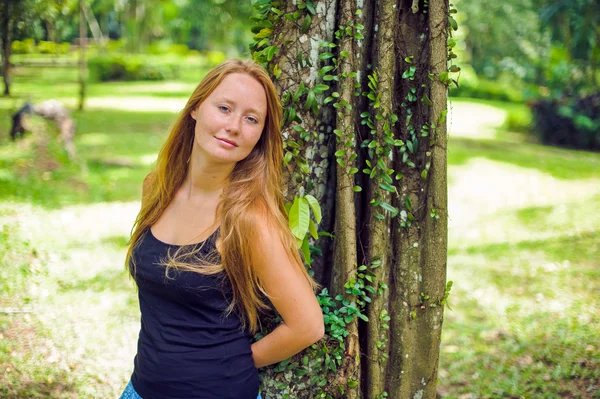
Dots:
{"x": 234, "y": 124}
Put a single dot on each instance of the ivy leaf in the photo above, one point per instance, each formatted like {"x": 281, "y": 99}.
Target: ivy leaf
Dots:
{"x": 312, "y": 229}
{"x": 357, "y": 189}
{"x": 387, "y": 187}
{"x": 325, "y": 69}
{"x": 453, "y": 23}
{"x": 306, "y": 23}
{"x": 265, "y": 32}
{"x": 391, "y": 209}
{"x": 314, "y": 205}
{"x": 320, "y": 88}
{"x": 299, "y": 217}
{"x": 310, "y": 100}
{"x": 271, "y": 51}
{"x": 325, "y": 56}
{"x": 288, "y": 157}
{"x": 426, "y": 100}
{"x": 306, "y": 251}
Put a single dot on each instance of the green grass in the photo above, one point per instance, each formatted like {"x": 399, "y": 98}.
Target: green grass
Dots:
{"x": 523, "y": 256}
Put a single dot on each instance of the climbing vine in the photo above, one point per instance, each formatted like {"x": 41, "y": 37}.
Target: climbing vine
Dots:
{"x": 392, "y": 134}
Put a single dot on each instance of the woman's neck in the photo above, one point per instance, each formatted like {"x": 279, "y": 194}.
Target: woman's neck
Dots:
{"x": 205, "y": 178}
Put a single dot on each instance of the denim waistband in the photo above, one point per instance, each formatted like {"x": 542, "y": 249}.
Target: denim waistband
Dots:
{"x": 130, "y": 393}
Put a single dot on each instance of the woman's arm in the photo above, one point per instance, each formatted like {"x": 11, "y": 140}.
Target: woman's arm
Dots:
{"x": 292, "y": 296}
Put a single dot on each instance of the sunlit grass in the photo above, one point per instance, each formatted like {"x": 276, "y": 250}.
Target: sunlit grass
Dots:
{"x": 524, "y": 242}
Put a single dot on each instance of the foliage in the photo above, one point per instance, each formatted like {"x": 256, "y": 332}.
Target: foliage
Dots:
{"x": 569, "y": 121}
{"x": 120, "y": 67}
{"x": 199, "y": 24}
{"x": 502, "y": 338}
{"x": 487, "y": 90}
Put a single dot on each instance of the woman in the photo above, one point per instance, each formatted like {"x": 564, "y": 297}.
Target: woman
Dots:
{"x": 211, "y": 241}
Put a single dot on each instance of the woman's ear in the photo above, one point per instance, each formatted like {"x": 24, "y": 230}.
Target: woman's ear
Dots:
{"x": 193, "y": 114}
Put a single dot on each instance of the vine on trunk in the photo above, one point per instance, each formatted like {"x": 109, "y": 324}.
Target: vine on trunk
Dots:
{"x": 315, "y": 370}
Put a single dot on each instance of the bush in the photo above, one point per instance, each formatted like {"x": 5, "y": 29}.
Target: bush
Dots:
{"x": 488, "y": 90}
{"x": 44, "y": 47}
{"x": 26, "y": 46}
{"x": 215, "y": 57}
{"x": 128, "y": 67}
{"x": 569, "y": 121}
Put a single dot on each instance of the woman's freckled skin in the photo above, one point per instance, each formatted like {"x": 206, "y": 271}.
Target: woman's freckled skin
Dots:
{"x": 230, "y": 121}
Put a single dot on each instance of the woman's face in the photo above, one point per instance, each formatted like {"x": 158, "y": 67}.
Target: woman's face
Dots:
{"x": 230, "y": 120}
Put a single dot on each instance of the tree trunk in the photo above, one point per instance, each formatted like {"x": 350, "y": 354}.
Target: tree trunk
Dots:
{"x": 364, "y": 89}
{"x": 6, "y": 43}
{"x": 82, "y": 61}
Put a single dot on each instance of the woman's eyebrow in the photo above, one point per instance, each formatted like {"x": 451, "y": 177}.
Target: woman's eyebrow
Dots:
{"x": 229, "y": 101}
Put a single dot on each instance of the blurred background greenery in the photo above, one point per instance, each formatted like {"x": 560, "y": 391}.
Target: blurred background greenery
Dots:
{"x": 524, "y": 186}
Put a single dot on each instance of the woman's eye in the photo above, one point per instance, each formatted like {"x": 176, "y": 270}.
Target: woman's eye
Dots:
{"x": 223, "y": 108}
{"x": 253, "y": 120}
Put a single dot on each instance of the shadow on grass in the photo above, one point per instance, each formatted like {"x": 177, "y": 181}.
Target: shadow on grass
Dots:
{"x": 560, "y": 163}
{"x": 111, "y": 143}
{"x": 541, "y": 355}
{"x": 576, "y": 248}
{"x": 41, "y": 389}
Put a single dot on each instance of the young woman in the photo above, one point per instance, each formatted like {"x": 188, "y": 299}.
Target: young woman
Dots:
{"x": 211, "y": 242}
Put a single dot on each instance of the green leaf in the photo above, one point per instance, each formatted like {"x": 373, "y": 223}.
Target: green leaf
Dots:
{"x": 325, "y": 56}
{"x": 306, "y": 23}
{"x": 306, "y": 251}
{"x": 321, "y": 88}
{"x": 387, "y": 187}
{"x": 392, "y": 210}
{"x": 314, "y": 205}
{"x": 288, "y": 157}
{"x": 453, "y": 23}
{"x": 357, "y": 189}
{"x": 271, "y": 51}
{"x": 325, "y": 69}
{"x": 426, "y": 100}
{"x": 310, "y": 100}
{"x": 299, "y": 217}
{"x": 312, "y": 229}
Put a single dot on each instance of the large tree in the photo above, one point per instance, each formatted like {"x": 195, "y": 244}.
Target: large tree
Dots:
{"x": 364, "y": 90}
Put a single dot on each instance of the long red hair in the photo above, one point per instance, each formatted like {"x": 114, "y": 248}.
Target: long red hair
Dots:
{"x": 252, "y": 193}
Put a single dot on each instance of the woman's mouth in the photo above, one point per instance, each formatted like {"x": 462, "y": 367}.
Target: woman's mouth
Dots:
{"x": 228, "y": 143}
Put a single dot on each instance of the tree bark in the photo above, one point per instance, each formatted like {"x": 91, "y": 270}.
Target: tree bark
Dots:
{"x": 385, "y": 112}
{"x": 308, "y": 131}
{"x": 6, "y": 39}
{"x": 82, "y": 60}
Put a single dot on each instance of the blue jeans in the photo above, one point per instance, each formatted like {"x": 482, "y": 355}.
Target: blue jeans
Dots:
{"x": 130, "y": 393}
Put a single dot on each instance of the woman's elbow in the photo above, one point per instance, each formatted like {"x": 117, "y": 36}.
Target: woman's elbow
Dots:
{"x": 316, "y": 332}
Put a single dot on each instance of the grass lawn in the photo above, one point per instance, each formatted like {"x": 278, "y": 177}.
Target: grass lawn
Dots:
{"x": 524, "y": 239}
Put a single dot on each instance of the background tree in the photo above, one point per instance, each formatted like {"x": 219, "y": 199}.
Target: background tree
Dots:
{"x": 364, "y": 93}
{"x": 15, "y": 16}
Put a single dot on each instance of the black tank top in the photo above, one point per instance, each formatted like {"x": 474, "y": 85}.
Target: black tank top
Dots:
{"x": 188, "y": 348}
